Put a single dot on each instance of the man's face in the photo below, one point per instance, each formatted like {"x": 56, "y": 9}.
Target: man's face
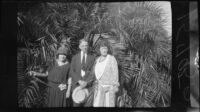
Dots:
{"x": 84, "y": 46}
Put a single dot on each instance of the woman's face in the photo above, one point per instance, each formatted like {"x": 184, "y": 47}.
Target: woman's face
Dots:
{"x": 61, "y": 57}
{"x": 104, "y": 50}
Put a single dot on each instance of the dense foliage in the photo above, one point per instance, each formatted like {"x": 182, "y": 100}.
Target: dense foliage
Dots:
{"x": 135, "y": 31}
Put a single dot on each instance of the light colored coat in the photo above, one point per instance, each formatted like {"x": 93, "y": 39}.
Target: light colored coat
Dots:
{"x": 107, "y": 84}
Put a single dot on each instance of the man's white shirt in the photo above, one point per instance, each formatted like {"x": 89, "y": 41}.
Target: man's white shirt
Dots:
{"x": 82, "y": 71}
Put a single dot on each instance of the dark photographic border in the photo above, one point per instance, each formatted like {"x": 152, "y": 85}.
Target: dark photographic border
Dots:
{"x": 180, "y": 98}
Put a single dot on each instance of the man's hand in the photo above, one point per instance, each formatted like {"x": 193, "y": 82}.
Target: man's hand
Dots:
{"x": 67, "y": 94}
{"x": 82, "y": 83}
{"x": 82, "y": 72}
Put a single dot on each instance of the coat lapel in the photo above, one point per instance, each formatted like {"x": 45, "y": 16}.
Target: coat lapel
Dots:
{"x": 87, "y": 60}
{"x": 79, "y": 58}
{"x": 79, "y": 62}
{"x": 105, "y": 66}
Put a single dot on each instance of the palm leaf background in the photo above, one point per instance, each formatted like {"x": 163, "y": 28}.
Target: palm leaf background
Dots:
{"x": 135, "y": 31}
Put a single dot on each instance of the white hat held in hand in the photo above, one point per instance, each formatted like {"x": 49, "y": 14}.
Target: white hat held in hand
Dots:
{"x": 79, "y": 94}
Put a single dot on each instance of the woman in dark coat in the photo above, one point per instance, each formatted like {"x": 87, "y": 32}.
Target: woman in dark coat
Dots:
{"x": 57, "y": 79}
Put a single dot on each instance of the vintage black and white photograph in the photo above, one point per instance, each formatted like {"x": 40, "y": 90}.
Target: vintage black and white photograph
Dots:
{"x": 94, "y": 54}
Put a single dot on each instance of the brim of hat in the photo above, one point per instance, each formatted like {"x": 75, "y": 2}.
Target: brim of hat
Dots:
{"x": 75, "y": 93}
{"x": 61, "y": 54}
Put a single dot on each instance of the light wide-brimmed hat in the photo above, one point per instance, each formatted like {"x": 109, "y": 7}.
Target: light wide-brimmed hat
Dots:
{"x": 79, "y": 94}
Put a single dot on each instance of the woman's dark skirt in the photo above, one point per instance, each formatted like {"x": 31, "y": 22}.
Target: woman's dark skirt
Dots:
{"x": 56, "y": 97}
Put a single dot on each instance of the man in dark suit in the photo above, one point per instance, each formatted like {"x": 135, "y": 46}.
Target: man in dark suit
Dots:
{"x": 81, "y": 66}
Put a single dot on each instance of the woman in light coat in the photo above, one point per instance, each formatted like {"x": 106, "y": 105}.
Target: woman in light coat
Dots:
{"x": 106, "y": 78}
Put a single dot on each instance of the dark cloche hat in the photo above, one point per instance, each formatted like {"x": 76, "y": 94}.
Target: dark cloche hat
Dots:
{"x": 62, "y": 50}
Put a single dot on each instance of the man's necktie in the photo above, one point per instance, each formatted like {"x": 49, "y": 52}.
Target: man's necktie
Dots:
{"x": 83, "y": 63}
